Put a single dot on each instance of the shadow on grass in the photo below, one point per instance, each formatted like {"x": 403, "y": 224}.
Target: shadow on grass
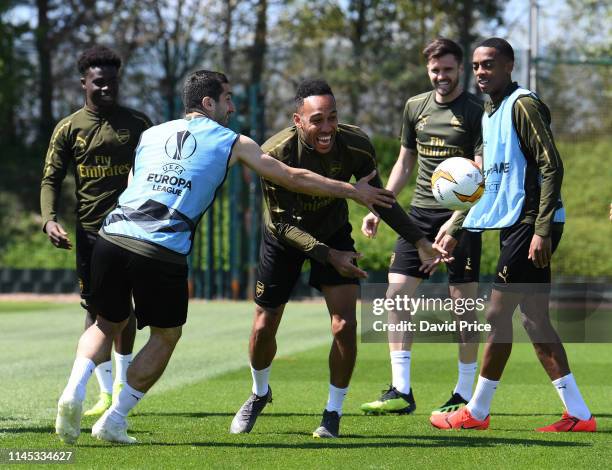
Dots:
{"x": 29, "y": 429}
{"x": 597, "y": 415}
{"x": 553, "y": 415}
{"x": 50, "y": 430}
{"x": 204, "y": 414}
{"x": 426, "y": 442}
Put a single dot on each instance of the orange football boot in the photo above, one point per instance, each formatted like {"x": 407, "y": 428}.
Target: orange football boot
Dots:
{"x": 569, "y": 423}
{"x": 460, "y": 419}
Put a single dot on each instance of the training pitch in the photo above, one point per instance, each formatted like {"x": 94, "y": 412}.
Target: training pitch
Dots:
{"x": 184, "y": 420}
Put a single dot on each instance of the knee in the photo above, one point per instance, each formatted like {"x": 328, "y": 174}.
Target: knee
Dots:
{"x": 540, "y": 330}
{"x": 536, "y": 323}
{"x": 109, "y": 328}
{"x": 344, "y": 330}
{"x": 395, "y": 289}
{"x": 264, "y": 327}
{"x": 497, "y": 317}
{"x": 529, "y": 324}
{"x": 169, "y": 336}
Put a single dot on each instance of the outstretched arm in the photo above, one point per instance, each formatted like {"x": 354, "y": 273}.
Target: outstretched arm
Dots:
{"x": 400, "y": 174}
{"x": 305, "y": 181}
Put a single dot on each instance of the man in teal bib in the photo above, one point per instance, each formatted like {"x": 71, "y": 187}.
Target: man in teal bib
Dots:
{"x": 523, "y": 172}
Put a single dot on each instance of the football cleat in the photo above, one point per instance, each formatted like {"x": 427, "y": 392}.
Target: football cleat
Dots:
{"x": 246, "y": 416}
{"x": 103, "y": 404}
{"x": 68, "y": 420}
{"x": 454, "y": 403}
{"x": 569, "y": 423}
{"x": 391, "y": 401}
{"x": 106, "y": 429}
{"x": 329, "y": 427}
{"x": 460, "y": 419}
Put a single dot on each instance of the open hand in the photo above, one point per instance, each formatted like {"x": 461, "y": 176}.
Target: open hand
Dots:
{"x": 431, "y": 256}
{"x": 369, "y": 196}
{"x": 343, "y": 262}
{"x": 540, "y": 251}
{"x": 57, "y": 235}
{"x": 445, "y": 244}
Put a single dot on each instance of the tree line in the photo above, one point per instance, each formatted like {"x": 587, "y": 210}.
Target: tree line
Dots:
{"x": 369, "y": 51}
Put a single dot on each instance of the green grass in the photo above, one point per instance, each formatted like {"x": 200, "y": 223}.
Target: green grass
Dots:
{"x": 184, "y": 420}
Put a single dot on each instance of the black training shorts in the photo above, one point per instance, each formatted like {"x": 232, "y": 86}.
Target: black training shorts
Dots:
{"x": 159, "y": 288}
{"x": 280, "y": 266}
{"x": 513, "y": 266}
{"x": 464, "y": 268}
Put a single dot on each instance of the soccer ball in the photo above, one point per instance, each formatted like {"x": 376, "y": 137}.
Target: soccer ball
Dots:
{"x": 457, "y": 183}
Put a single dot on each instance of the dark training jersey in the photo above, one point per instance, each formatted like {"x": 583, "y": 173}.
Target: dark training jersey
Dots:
{"x": 300, "y": 220}
{"x": 100, "y": 148}
{"x": 438, "y": 131}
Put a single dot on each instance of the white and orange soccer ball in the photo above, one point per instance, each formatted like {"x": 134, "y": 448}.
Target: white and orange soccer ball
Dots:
{"x": 457, "y": 183}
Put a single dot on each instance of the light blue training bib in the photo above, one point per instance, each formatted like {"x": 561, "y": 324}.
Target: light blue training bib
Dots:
{"x": 179, "y": 167}
{"x": 504, "y": 170}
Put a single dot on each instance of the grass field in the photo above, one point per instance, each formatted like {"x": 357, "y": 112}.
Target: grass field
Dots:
{"x": 184, "y": 420}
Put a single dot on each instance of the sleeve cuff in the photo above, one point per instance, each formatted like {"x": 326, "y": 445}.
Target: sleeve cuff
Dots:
{"x": 319, "y": 253}
{"x": 454, "y": 230}
{"x": 543, "y": 230}
{"x": 456, "y": 226}
{"x": 44, "y": 224}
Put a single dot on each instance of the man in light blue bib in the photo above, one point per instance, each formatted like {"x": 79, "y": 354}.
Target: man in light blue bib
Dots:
{"x": 523, "y": 175}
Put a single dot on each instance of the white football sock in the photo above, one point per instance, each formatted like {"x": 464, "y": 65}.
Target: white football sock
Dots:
{"x": 104, "y": 374}
{"x": 480, "y": 404}
{"x": 400, "y": 370}
{"x": 335, "y": 399}
{"x": 82, "y": 369}
{"x": 261, "y": 379}
{"x": 122, "y": 362}
{"x": 570, "y": 396}
{"x": 465, "y": 379}
{"x": 128, "y": 398}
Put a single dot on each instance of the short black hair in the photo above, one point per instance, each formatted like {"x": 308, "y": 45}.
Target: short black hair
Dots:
{"x": 311, "y": 87}
{"x": 440, "y": 47}
{"x": 97, "y": 56}
{"x": 500, "y": 45}
{"x": 200, "y": 84}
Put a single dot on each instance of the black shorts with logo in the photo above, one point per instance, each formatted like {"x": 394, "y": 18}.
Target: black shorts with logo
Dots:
{"x": 280, "y": 266}
{"x": 464, "y": 268}
{"x": 513, "y": 266}
{"x": 159, "y": 288}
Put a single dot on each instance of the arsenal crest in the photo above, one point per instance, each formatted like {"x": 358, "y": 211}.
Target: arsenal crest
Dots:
{"x": 123, "y": 135}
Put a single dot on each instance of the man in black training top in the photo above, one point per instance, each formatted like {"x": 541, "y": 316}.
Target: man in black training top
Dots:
{"x": 439, "y": 124}
{"x": 98, "y": 142}
{"x": 299, "y": 227}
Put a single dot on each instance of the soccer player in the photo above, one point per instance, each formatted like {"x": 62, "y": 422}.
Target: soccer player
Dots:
{"x": 300, "y": 227}
{"x": 439, "y": 124}
{"x": 143, "y": 243}
{"x": 523, "y": 172}
{"x": 98, "y": 142}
